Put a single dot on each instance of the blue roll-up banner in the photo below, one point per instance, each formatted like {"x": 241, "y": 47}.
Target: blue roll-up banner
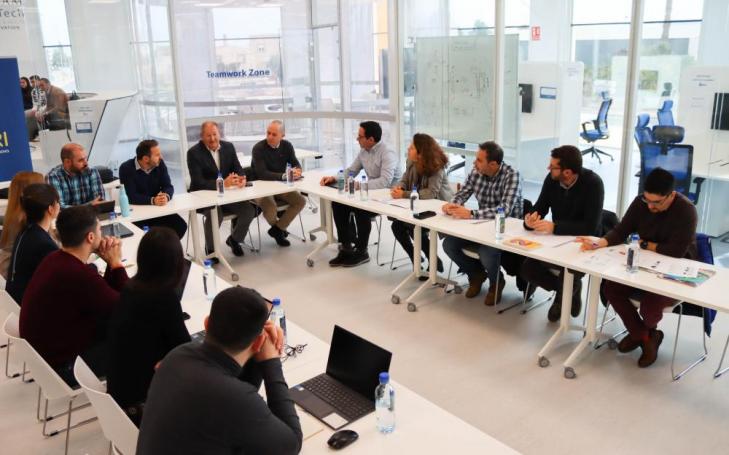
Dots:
{"x": 14, "y": 146}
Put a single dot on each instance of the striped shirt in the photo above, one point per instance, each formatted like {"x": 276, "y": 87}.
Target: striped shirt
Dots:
{"x": 501, "y": 190}
{"x": 76, "y": 189}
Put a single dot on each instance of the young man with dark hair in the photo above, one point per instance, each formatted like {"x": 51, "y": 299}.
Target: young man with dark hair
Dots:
{"x": 75, "y": 181}
{"x": 147, "y": 182}
{"x": 204, "y": 396}
{"x": 41, "y": 205}
{"x": 666, "y": 223}
{"x": 382, "y": 167}
{"x": 67, "y": 303}
{"x": 205, "y": 160}
{"x": 495, "y": 185}
{"x": 575, "y": 196}
{"x": 270, "y": 157}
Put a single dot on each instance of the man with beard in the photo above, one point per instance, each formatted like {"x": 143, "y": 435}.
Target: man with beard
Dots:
{"x": 74, "y": 180}
{"x": 575, "y": 196}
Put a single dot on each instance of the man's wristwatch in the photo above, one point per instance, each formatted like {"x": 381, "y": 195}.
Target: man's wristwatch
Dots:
{"x": 643, "y": 244}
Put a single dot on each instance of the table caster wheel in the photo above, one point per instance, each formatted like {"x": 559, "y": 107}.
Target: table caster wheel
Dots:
{"x": 412, "y": 308}
{"x": 612, "y": 344}
{"x": 543, "y": 362}
{"x": 310, "y": 262}
{"x": 395, "y": 299}
{"x": 234, "y": 277}
{"x": 457, "y": 289}
{"x": 569, "y": 373}
{"x": 312, "y": 237}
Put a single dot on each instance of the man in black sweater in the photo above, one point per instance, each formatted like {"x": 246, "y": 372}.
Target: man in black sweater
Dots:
{"x": 575, "y": 196}
{"x": 147, "y": 182}
{"x": 204, "y": 396}
{"x": 270, "y": 157}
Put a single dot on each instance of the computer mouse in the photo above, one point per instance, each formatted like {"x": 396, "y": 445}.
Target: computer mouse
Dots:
{"x": 342, "y": 439}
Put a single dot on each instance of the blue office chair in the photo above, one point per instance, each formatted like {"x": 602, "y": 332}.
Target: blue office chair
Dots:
{"x": 642, "y": 133}
{"x": 676, "y": 158}
{"x": 600, "y": 130}
{"x": 664, "y": 114}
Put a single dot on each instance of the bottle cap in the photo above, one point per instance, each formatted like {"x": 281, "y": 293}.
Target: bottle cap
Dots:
{"x": 384, "y": 377}
{"x": 634, "y": 236}
{"x": 276, "y": 301}
{"x": 112, "y": 216}
{"x": 145, "y": 228}
{"x": 208, "y": 263}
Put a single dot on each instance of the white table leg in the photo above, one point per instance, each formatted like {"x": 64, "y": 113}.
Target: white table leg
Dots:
{"x": 217, "y": 251}
{"x": 194, "y": 233}
{"x": 325, "y": 213}
{"x": 564, "y": 321}
{"x": 591, "y": 333}
{"x": 412, "y": 275}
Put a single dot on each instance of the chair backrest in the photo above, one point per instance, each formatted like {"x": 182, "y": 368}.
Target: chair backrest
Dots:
{"x": 7, "y": 305}
{"x": 642, "y": 133}
{"x": 601, "y": 123}
{"x": 115, "y": 424}
{"x": 664, "y": 114}
{"x": 675, "y": 158}
{"x": 51, "y": 384}
{"x": 703, "y": 245}
{"x": 608, "y": 221}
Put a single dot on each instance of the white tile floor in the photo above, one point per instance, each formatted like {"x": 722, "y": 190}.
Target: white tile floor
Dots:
{"x": 474, "y": 363}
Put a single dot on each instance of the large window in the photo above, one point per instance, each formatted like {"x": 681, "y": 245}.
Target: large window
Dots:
{"x": 56, "y": 44}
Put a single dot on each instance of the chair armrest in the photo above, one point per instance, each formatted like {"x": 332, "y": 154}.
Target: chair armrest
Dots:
{"x": 587, "y": 123}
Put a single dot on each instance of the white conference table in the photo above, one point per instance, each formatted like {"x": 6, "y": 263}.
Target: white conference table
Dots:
{"x": 416, "y": 417}
{"x": 303, "y": 155}
{"x": 710, "y": 294}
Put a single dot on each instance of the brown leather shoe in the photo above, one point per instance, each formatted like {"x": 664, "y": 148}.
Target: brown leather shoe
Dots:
{"x": 490, "y": 300}
{"x": 475, "y": 282}
{"x": 650, "y": 348}
{"x": 628, "y": 344}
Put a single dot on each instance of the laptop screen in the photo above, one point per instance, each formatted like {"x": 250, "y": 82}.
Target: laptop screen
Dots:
{"x": 356, "y": 363}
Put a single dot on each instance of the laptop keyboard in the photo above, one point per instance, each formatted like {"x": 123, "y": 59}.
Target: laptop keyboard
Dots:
{"x": 348, "y": 403}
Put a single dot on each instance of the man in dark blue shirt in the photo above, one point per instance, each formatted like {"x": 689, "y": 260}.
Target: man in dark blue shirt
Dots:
{"x": 147, "y": 182}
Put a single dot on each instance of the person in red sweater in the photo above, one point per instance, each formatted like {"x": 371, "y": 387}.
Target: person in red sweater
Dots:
{"x": 67, "y": 303}
{"x": 666, "y": 222}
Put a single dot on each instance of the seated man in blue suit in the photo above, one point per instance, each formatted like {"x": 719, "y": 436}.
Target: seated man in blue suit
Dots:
{"x": 147, "y": 182}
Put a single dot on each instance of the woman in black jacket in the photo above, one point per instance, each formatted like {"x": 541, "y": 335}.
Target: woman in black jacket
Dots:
{"x": 148, "y": 322}
{"x": 25, "y": 89}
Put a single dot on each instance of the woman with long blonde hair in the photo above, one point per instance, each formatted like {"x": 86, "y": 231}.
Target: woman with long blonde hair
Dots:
{"x": 14, "y": 221}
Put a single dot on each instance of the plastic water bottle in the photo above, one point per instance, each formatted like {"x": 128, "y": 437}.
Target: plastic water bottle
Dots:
{"x": 289, "y": 175}
{"x": 385, "y": 405}
{"x": 124, "y": 202}
{"x": 278, "y": 316}
{"x": 114, "y": 225}
{"x": 340, "y": 181}
{"x": 500, "y": 223}
{"x": 145, "y": 228}
{"x": 350, "y": 185}
{"x": 414, "y": 198}
{"x": 209, "y": 280}
{"x": 633, "y": 254}
{"x": 364, "y": 189}
{"x": 220, "y": 185}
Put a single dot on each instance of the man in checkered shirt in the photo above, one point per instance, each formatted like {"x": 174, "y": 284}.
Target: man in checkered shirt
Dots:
{"x": 74, "y": 180}
{"x": 494, "y": 184}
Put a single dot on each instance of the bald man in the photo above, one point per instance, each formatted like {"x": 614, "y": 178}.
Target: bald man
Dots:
{"x": 75, "y": 181}
{"x": 270, "y": 157}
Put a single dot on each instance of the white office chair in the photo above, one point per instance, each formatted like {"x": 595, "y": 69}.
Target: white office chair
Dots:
{"x": 613, "y": 342}
{"x": 472, "y": 252}
{"x": 52, "y": 387}
{"x": 8, "y": 306}
{"x": 116, "y": 425}
{"x": 280, "y": 207}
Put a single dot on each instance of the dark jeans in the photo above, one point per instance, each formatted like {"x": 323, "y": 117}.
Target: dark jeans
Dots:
{"x": 543, "y": 274}
{"x": 489, "y": 258}
{"x": 347, "y": 236}
{"x": 405, "y": 232}
{"x": 651, "y": 308}
{"x": 174, "y": 222}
